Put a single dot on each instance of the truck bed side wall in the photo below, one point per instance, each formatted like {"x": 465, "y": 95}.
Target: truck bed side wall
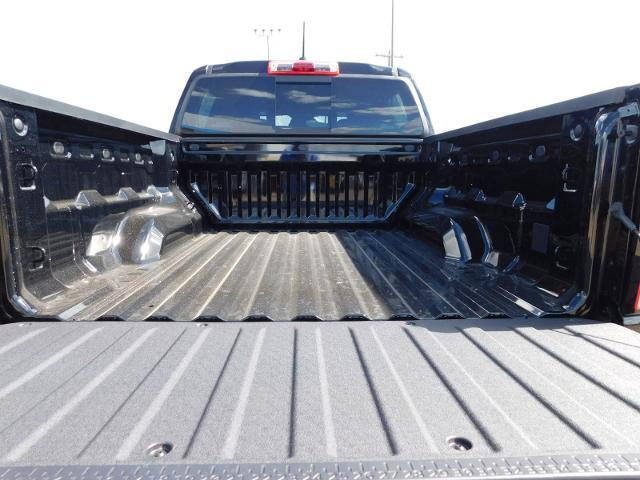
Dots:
{"x": 69, "y": 186}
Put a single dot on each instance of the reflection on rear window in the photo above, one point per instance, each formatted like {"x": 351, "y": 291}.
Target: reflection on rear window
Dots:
{"x": 303, "y": 105}
{"x": 348, "y": 106}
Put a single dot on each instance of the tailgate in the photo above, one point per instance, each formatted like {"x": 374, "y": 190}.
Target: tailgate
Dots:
{"x": 386, "y": 398}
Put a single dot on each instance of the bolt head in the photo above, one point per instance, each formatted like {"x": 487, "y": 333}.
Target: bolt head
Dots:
{"x": 576, "y": 132}
{"x": 58, "y": 148}
{"x": 158, "y": 450}
{"x": 19, "y": 126}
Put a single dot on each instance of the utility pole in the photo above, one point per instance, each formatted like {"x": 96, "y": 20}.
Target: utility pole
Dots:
{"x": 266, "y": 33}
{"x": 393, "y": 4}
{"x": 391, "y": 56}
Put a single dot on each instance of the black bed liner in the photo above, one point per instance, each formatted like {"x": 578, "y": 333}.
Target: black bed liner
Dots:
{"x": 220, "y": 393}
{"x": 366, "y": 274}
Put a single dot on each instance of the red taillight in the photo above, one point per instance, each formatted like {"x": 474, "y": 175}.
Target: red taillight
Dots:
{"x": 636, "y": 304}
{"x": 303, "y": 67}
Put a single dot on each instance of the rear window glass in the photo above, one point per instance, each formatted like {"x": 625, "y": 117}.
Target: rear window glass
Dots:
{"x": 348, "y": 106}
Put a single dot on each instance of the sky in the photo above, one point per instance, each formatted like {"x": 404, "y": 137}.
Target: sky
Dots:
{"x": 472, "y": 60}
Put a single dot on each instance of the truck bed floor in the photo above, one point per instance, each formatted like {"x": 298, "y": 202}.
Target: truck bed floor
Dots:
{"x": 303, "y": 275}
{"x": 102, "y": 392}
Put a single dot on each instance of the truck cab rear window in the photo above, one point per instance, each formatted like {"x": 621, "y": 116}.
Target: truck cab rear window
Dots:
{"x": 344, "y": 105}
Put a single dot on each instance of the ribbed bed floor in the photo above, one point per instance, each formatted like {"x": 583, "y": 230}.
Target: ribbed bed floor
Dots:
{"x": 102, "y": 393}
{"x": 303, "y": 275}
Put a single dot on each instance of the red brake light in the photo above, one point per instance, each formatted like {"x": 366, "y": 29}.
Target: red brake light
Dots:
{"x": 303, "y": 67}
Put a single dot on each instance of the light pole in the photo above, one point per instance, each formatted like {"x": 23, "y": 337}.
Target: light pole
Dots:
{"x": 266, "y": 33}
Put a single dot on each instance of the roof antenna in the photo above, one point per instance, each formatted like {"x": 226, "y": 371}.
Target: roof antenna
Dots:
{"x": 303, "y": 36}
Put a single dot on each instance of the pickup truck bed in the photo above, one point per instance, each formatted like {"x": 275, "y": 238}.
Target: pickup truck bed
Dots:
{"x": 372, "y": 274}
{"x": 101, "y": 393}
{"x": 305, "y": 306}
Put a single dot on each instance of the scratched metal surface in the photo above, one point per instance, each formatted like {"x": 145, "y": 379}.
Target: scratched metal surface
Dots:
{"x": 291, "y": 275}
{"x": 101, "y": 393}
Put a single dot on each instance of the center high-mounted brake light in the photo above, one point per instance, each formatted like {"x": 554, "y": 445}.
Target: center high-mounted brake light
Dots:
{"x": 303, "y": 67}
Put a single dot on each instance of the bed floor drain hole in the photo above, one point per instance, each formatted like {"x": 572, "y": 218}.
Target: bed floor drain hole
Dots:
{"x": 159, "y": 449}
{"x": 459, "y": 443}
